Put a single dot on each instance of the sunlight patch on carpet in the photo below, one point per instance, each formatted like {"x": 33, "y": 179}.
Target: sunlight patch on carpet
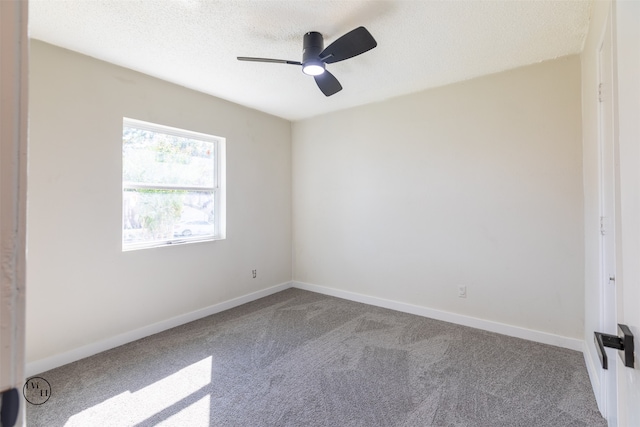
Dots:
{"x": 129, "y": 408}
{"x": 195, "y": 415}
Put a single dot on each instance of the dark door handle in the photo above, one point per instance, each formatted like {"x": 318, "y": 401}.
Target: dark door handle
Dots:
{"x": 622, "y": 342}
{"x": 10, "y": 405}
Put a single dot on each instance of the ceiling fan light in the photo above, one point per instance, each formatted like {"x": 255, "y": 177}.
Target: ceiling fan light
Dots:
{"x": 313, "y": 69}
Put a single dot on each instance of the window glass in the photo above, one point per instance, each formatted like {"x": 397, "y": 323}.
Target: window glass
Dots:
{"x": 159, "y": 158}
{"x": 170, "y": 191}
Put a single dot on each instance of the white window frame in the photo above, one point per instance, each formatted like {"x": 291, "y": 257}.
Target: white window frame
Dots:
{"x": 218, "y": 188}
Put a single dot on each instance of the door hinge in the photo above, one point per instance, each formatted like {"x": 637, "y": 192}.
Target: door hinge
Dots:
{"x": 602, "y": 228}
{"x": 600, "y": 97}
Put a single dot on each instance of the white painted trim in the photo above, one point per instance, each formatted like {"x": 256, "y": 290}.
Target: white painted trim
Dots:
{"x": 459, "y": 319}
{"x": 57, "y": 360}
{"x": 594, "y": 376}
{"x": 13, "y": 187}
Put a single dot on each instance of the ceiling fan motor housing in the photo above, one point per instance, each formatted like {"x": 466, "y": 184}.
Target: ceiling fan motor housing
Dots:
{"x": 312, "y": 45}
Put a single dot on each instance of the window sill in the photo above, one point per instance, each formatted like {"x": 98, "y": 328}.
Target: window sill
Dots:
{"x": 168, "y": 243}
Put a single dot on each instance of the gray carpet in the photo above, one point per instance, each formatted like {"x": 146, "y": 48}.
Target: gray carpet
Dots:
{"x": 299, "y": 358}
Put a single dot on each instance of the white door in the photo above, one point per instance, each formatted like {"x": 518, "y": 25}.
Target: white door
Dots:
{"x": 607, "y": 217}
{"x": 627, "y": 77}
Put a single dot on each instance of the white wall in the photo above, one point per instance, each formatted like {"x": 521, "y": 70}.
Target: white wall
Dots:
{"x": 81, "y": 287}
{"x": 477, "y": 184}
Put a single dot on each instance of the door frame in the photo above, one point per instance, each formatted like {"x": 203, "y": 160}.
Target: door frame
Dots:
{"x": 607, "y": 200}
{"x": 13, "y": 180}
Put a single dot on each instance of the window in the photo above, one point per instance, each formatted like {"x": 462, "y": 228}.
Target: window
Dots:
{"x": 172, "y": 186}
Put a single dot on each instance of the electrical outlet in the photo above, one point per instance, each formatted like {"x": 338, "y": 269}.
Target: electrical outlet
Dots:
{"x": 254, "y": 273}
{"x": 462, "y": 291}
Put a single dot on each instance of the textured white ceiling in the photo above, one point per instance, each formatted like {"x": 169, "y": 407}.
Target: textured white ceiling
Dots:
{"x": 421, "y": 44}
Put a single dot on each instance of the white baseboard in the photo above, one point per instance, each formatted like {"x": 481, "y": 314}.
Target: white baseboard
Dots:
{"x": 487, "y": 325}
{"x": 55, "y": 361}
{"x": 48, "y": 363}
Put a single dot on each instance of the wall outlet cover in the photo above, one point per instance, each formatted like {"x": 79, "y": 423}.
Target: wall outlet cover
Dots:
{"x": 462, "y": 291}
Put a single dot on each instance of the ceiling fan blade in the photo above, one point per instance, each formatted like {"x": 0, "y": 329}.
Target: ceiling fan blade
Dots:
{"x": 327, "y": 83}
{"x": 276, "y": 61}
{"x": 349, "y": 45}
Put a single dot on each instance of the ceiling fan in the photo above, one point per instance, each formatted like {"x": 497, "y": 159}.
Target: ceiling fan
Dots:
{"x": 315, "y": 56}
